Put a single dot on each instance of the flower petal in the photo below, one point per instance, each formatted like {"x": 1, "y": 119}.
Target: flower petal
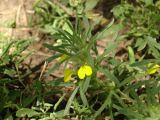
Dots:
{"x": 67, "y": 75}
{"x": 88, "y": 70}
{"x": 81, "y": 72}
{"x": 153, "y": 69}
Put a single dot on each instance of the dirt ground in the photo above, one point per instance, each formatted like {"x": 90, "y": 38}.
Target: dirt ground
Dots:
{"x": 15, "y": 10}
{"x": 18, "y": 12}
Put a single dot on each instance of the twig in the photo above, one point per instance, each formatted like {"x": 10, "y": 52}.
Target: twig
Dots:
{"x": 43, "y": 69}
{"x": 18, "y": 15}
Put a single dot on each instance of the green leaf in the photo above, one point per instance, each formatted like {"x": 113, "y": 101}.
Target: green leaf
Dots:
{"x": 106, "y": 103}
{"x": 26, "y": 111}
{"x": 8, "y": 116}
{"x": 86, "y": 84}
{"x": 131, "y": 54}
{"x": 90, "y": 4}
{"x": 37, "y": 85}
{"x": 134, "y": 95}
{"x": 118, "y": 11}
{"x": 56, "y": 66}
{"x": 10, "y": 72}
{"x": 6, "y": 50}
{"x": 58, "y": 48}
{"x": 110, "y": 75}
{"x": 114, "y": 28}
{"x": 110, "y": 48}
{"x": 141, "y": 44}
{"x": 83, "y": 96}
{"x": 142, "y": 63}
{"x": 102, "y": 34}
{"x": 36, "y": 2}
{"x": 119, "y": 99}
{"x": 131, "y": 78}
{"x": 154, "y": 51}
{"x": 69, "y": 103}
{"x": 59, "y": 101}
{"x": 148, "y": 2}
{"x": 28, "y": 100}
{"x": 131, "y": 114}
{"x": 5, "y": 81}
{"x": 53, "y": 57}
{"x": 67, "y": 28}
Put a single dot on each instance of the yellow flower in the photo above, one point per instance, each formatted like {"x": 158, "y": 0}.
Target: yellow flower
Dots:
{"x": 67, "y": 75}
{"x": 83, "y": 71}
{"x": 152, "y": 69}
